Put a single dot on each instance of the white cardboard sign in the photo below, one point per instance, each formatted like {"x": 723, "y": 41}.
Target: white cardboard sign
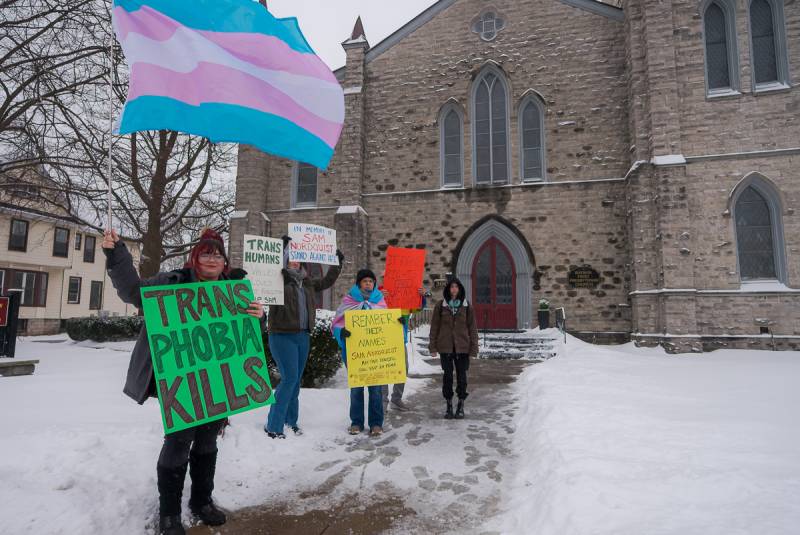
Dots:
{"x": 263, "y": 261}
{"x": 313, "y": 244}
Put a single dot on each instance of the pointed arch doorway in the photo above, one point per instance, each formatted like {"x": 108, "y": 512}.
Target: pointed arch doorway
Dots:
{"x": 493, "y": 285}
{"x": 496, "y": 266}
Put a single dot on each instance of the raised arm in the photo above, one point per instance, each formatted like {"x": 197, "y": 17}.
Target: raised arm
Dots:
{"x": 119, "y": 264}
{"x": 330, "y": 277}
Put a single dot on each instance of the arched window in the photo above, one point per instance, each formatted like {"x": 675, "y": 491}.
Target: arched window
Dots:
{"x": 768, "y": 44}
{"x": 304, "y": 186}
{"x": 490, "y": 129}
{"x": 722, "y": 58}
{"x": 532, "y": 143}
{"x": 759, "y": 232}
{"x": 451, "y": 143}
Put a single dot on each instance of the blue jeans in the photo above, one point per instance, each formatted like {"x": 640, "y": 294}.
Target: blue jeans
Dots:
{"x": 290, "y": 351}
{"x": 375, "y": 407}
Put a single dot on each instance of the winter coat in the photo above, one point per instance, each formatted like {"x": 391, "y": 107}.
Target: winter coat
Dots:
{"x": 285, "y": 318}
{"x": 140, "y": 382}
{"x": 454, "y": 332}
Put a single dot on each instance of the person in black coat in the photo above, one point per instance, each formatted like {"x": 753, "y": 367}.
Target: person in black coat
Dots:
{"x": 194, "y": 448}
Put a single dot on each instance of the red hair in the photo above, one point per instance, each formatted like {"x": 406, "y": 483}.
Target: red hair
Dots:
{"x": 210, "y": 242}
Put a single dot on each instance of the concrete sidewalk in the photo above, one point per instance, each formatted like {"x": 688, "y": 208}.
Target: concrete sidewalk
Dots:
{"x": 436, "y": 475}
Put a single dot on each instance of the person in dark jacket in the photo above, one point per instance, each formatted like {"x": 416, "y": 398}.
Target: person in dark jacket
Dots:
{"x": 454, "y": 335}
{"x": 289, "y": 328}
{"x": 194, "y": 448}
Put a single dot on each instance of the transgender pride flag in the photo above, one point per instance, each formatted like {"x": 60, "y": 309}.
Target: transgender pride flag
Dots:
{"x": 230, "y": 71}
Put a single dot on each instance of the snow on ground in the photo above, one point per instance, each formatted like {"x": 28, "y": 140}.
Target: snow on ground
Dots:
{"x": 625, "y": 440}
{"x": 78, "y": 456}
{"x": 610, "y": 440}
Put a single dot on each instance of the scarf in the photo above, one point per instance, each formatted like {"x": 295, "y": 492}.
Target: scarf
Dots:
{"x": 454, "y": 304}
{"x": 354, "y": 300}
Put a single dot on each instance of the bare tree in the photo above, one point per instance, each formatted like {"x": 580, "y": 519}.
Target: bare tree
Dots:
{"x": 49, "y": 55}
{"x": 166, "y": 186}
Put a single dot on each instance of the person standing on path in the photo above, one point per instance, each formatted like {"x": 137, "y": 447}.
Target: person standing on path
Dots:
{"x": 194, "y": 448}
{"x": 399, "y": 388}
{"x": 362, "y": 296}
{"x": 289, "y": 327}
{"x": 454, "y": 335}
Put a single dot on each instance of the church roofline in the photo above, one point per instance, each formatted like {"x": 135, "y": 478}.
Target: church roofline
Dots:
{"x": 592, "y": 6}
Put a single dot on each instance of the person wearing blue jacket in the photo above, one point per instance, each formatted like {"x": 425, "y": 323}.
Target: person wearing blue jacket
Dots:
{"x": 362, "y": 296}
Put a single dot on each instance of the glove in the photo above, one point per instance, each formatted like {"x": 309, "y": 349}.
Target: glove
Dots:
{"x": 345, "y": 333}
{"x": 340, "y": 255}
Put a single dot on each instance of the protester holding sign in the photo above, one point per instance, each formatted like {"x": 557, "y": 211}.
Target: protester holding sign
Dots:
{"x": 363, "y": 296}
{"x": 194, "y": 448}
{"x": 454, "y": 334}
{"x": 290, "y": 327}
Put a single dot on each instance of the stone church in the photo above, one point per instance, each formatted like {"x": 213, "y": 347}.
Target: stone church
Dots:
{"x": 636, "y": 163}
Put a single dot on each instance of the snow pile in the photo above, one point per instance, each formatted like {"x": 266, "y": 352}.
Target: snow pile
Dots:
{"x": 627, "y": 440}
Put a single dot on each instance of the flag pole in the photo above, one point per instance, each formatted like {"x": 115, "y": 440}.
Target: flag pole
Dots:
{"x": 110, "y": 107}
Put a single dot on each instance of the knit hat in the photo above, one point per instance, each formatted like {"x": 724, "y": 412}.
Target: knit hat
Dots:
{"x": 210, "y": 242}
{"x": 365, "y": 274}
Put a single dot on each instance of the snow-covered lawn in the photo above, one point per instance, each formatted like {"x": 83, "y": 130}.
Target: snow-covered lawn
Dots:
{"x": 78, "y": 456}
{"x": 625, "y": 440}
{"x": 610, "y": 440}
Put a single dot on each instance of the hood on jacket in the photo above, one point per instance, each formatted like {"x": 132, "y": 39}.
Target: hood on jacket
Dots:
{"x": 462, "y": 294}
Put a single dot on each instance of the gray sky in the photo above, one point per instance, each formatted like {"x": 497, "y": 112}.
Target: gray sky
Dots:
{"x": 326, "y": 23}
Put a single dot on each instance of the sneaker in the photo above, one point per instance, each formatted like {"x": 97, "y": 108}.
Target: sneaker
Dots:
{"x": 376, "y": 431}
{"x": 354, "y": 430}
{"x": 297, "y": 431}
{"x": 399, "y": 405}
{"x": 270, "y": 434}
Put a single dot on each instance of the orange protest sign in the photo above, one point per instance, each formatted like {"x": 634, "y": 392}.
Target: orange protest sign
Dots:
{"x": 403, "y": 279}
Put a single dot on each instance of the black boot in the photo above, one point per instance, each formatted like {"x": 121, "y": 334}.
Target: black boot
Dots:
{"x": 448, "y": 413}
{"x": 201, "y": 470}
{"x": 170, "y": 490}
{"x": 460, "y": 410}
{"x": 171, "y": 525}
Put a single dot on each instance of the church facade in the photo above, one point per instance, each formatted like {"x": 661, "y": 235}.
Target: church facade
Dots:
{"x": 636, "y": 164}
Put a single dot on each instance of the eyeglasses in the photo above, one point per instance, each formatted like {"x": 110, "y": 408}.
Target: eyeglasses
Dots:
{"x": 208, "y": 257}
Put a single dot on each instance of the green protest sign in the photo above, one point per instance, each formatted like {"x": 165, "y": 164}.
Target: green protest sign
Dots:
{"x": 208, "y": 356}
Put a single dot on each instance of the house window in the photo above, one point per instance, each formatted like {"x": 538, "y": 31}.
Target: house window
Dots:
{"x": 78, "y": 237}
{"x": 61, "y": 242}
{"x": 452, "y": 147}
{"x": 490, "y": 131}
{"x": 722, "y": 58}
{"x": 74, "y": 290}
{"x": 2, "y": 281}
{"x": 768, "y": 44}
{"x": 96, "y": 296}
{"x": 305, "y": 185}
{"x": 88, "y": 249}
{"x": 532, "y": 145}
{"x": 18, "y": 239}
{"x": 33, "y": 285}
{"x": 759, "y": 231}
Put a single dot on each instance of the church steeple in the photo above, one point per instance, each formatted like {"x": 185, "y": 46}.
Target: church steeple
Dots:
{"x": 358, "y": 38}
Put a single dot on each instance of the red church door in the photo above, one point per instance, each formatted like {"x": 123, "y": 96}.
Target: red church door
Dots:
{"x": 494, "y": 287}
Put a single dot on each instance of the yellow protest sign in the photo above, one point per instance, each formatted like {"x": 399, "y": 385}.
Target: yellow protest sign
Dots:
{"x": 375, "y": 348}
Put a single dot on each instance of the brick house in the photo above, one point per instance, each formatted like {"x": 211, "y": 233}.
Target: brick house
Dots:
{"x": 656, "y": 144}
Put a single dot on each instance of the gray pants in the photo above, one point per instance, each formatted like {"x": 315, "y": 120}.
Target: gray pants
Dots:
{"x": 397, "y": 390}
